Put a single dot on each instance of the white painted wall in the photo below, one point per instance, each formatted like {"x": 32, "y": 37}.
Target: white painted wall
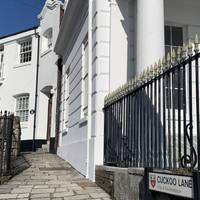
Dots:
{"x": 77, "y": 137}
{"x": 21, "y": 78}
{"x": 114, "y": 33}
{"x": 18, "y": 78}
{"x": 121, "y": 42}
{"x": 73, "y": 147}
{"x": 49, "y": 18}
{"x": 100, "y": 79}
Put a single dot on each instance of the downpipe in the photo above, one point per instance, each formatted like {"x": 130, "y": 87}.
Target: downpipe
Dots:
{"x": 36, "y": 90}
{"x": 89, "y": 87}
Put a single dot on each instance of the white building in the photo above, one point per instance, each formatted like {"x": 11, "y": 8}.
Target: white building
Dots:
{"x": 47, "y": 79}
{"x": 18, "y": 77}
{"x": 103, "y": 43}
{"x": 28, "y": 77}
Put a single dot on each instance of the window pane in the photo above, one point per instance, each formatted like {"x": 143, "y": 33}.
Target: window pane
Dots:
{"x": 25, "y": 51}
{"x": 177, "y": 36}
{"x": 167, "y": 35}
{"x": 22, "y": 109}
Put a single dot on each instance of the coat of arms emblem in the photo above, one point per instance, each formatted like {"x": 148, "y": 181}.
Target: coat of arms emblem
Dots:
{"x": 153, "y": 181}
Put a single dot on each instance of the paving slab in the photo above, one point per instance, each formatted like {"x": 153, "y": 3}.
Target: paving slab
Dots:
{"x": 50, "y": 178}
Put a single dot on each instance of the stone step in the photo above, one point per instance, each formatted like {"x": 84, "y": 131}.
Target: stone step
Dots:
{"x": 43, "y": 149}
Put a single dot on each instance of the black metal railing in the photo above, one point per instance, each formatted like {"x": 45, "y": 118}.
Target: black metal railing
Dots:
{"x": 6, "y": 133}
{"x": 153, "y": 121}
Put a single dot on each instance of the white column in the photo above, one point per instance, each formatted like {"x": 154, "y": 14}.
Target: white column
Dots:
{"x": 150, "y": 33}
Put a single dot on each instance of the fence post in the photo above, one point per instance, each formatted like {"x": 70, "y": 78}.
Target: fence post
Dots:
{"x": 148, "y": 194}
{"x": 196, "y": 184}
{"x": 8, "y": 136}
{"x": 1, "y": 142}
{"x": 4, "y": 128}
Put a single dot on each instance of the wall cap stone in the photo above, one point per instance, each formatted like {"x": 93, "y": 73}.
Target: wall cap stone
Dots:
{"x": 111, "y": 169}
{"x": 136, "y": 171}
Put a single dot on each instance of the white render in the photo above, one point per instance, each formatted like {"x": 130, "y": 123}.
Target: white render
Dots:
{"x": 19, "y": 78}
{"x": 150, "y": 33}
{"x": 127, "y": 36}
{"x": 49, "y": 19}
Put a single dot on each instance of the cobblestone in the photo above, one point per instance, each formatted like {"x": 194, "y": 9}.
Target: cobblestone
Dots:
{"x": 50, "y": 178}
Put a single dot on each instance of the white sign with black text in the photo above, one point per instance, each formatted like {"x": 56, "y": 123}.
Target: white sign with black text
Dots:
{"x": 171, "y": 184}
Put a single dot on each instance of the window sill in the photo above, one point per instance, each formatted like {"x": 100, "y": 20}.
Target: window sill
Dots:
{"x": 46, "y": 52}
{"x": 83, "y": 122}
{"x": 22, "y": 65}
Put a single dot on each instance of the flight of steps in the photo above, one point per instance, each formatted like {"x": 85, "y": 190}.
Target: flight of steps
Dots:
{"x": 43, "y": 149}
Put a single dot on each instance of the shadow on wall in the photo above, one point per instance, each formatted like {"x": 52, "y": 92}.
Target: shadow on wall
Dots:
{"x": 128, "y": 21}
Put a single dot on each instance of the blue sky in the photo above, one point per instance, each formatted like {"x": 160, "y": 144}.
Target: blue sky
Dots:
{"x": 17, "y": 15}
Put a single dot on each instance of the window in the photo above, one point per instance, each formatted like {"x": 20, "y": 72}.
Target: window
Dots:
{"x": 47, "y": 39}
{"x": 173, "y": 38}
{"x": 176, "y": 88}
{"x": 1, "y": 60}
{"x": 22, "y": 107}
{"x": 85, "y": 79}
{"x": 25, "y": 51}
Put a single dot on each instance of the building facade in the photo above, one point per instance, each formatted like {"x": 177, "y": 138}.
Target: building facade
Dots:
{"x": 28, "y": 78}
{"x": 18, "y": 77}
{"x": 103, "y": 44}
{"x": 47, "y": 74}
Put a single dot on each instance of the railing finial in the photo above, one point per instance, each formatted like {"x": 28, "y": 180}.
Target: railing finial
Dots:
{"x": 190, "y": 48}
{"x": 155, "y": 69}
{"x": 196, "y": 43}
{"x": 148, "y": 74}
{"x": 173, "y": 57}
{"x": 168, "y": 64}
{"x": 151, "y": 74}
{"x": 179, "y": 54}
{"x": 184, "y": 51}
{"x": 159, "y": 66}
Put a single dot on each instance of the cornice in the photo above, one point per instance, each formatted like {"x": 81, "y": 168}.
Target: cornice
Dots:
{"x": 49, "y": 4}
{"x": 73, "y": 20}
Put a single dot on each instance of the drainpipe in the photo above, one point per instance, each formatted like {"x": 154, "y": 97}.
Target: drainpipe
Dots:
{"x": 89, "y": 85}
{"x": 36, "y": 90}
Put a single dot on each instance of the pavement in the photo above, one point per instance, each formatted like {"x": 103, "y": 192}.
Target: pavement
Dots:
{"x": 50, "y": 178}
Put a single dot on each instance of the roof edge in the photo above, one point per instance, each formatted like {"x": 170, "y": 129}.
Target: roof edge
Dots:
{"x": 16, "y": 33}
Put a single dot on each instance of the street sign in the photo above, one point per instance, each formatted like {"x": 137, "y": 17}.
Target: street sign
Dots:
{"x": 177, "y": 185}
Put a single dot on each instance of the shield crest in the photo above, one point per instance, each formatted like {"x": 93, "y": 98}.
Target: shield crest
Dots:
{"x": 153, "y": 181}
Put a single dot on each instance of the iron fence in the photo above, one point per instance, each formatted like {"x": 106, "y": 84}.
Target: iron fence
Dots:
{"x": 153, "y": 121}
{"x": 6, "y": 133}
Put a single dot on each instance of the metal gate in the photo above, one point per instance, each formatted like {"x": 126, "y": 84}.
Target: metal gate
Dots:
{"x": 6, "y": 133}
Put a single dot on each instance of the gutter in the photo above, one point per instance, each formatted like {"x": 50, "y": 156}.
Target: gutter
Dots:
{"x": 19, "y": 32}
{"x": 36, "y": 90}
{"x": 89, "y": 86}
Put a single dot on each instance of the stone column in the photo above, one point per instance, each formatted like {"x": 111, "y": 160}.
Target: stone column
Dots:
{"x": 150, "y": 33}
